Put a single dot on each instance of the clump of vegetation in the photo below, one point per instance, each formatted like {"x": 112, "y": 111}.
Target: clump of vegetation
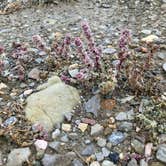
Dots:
{"x": 80, "y": 61}
{"x": 88, "y": 69}
{"x": 132, "y": 66}
{"x": 153, "y": 118}
{"x": 84, "y": 62}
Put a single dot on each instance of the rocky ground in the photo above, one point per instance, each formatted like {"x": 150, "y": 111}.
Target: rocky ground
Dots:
{"x": 124, "y": 127}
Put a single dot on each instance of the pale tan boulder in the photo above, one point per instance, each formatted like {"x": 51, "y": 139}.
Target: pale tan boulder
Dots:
{"x": 48, "y": 106}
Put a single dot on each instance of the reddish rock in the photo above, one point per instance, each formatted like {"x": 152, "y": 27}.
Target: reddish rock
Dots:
{"x": 108, "y": 104}
{"x": 88, "y": 121}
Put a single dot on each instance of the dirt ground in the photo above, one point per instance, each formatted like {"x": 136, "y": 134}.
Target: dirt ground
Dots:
{"x": 106, "y": 19}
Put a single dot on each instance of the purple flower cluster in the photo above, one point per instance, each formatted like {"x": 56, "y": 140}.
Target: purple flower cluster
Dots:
{"x": 92, "y": 56}
{"x": 123, "y": 46}
{"x": 65, "y": 48}
{"x": 67, "y": 40}
{"x": 135, "y": 156}
{"x": 65, "y": 78}
{"x": 91, "y": 45}
{"x": 87, "y": 31}
{"x": 124, "y": 40}
{"x": 85, "y": 57}
{"x": 43, "y": 134}
{"x": 19, "y": 52}
{"x": 82, "y": 75}
{"x": 38, "y": 41}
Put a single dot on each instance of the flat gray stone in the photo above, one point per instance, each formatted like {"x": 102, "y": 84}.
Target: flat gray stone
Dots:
{"x": 101, "y": 142}
{"x": 54, "y": 145}
{"x": 161, "y": 153}
{"x": 107, "y": 163}
{"x": 96, "y": 129}
{"x": 116, "y": 137}
{"x": 58, "y": 159}
{"x": 49, "y": 160}
{"x": 132, "y": 162}
{"x": 99, "y": 156}
{"x": 128, "y": 115}
{"x": 121, "y": 116}
{"x": 143, "y": 163}
{"x": 105, "y": 152}
{"x": 93, "y": 105}
{"x": 137, "y": 146}
{"x": 77, "y": 163}
{"x": 89, "y": 150}
{"x": 125, "y": 126}
{"x": 109, "y": 51}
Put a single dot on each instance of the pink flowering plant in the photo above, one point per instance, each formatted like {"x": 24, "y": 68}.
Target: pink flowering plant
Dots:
{"x": 18, "y": 58}
{"x": 130, "y": 64}
{"x": 123, "y": 44}
{"x": 90, "y": 66}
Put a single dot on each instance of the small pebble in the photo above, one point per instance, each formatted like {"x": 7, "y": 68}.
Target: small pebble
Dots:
{"x": 132, "y": 162}
{"x": 101, "y": 142}
{"x": 161, "y": 153}
{"x": 96, "y": 129}
{"x": 89, "y": 150}
{"x": 95, "y": 163}
{"x": 83, "y": 126}
{"x": 56, "y": 133}
{"x": 116, "y": 137}
{"x": 88, "y": 121}
{"x": 68, "y": 116}
{"x": 54, "y": 145}
{"x": 137, "y": 146}
{"x": 164, "y": 67}
{"x": 87, "y": 141}
{"x": 143, "y": 163}
{"x": 77, "y": 163}
{"x": 28, "y": 92}
{"x": 146, "y": 31}
{"x": 105, "y": 152}
{"x": 10, "y": 121}
{"x": 65, "y": 138}
{"x": 99, "y": 156}
{"x": 107, "y": 163}
{"x": 109, "y": 51}
{"x": 73, "y": 136}
{"x": 126, "y": 126}
{"x": 148, "y": 149}
{"x": 109, "y": 145}
{"x": 150, "y": 38}
{"x": 40, "y": 144}
{"x": 49, "y": 160}
{"x": 66, "y": 127}
{"x": 34, "y": 74}
{"x": 114, "y": 157}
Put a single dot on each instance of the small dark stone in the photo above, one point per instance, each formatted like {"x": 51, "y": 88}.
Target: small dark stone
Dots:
{"x": 114, "y": 157}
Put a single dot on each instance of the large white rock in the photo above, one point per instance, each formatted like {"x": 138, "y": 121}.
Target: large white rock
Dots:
{"x": 18, "y": 156}
{"x": 48, "y": 106}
